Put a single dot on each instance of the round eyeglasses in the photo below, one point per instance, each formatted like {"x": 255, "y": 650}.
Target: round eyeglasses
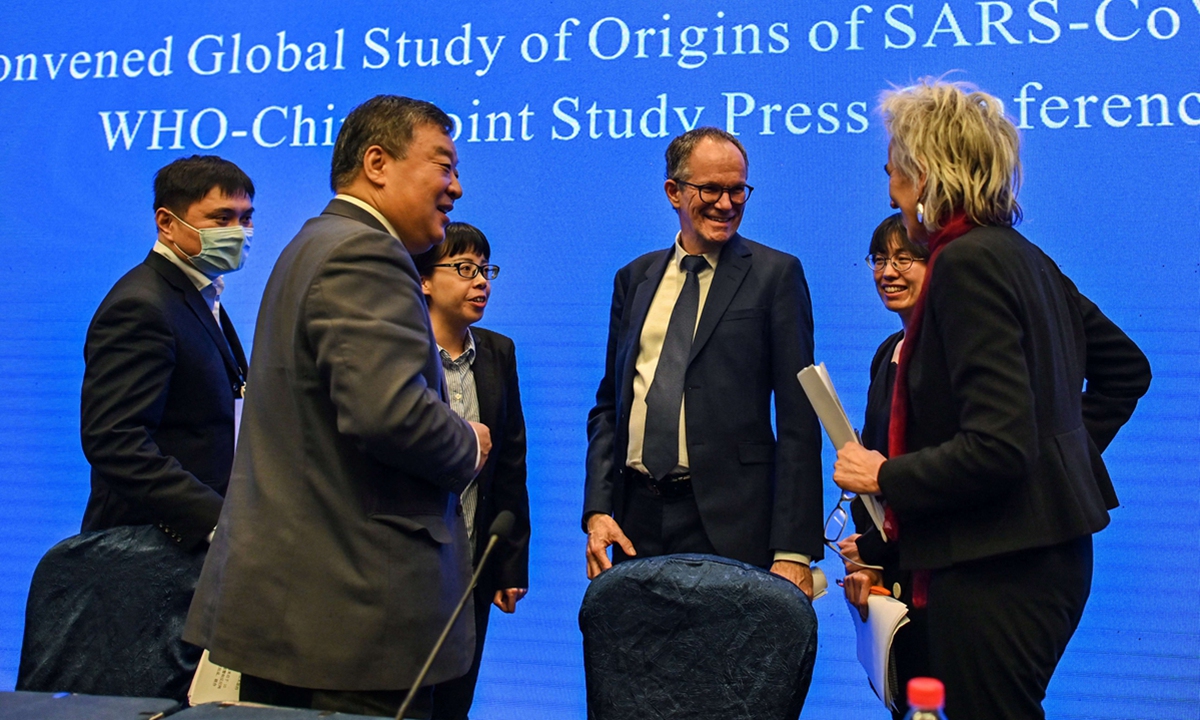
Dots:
{"x": 711, "y": 192}
{"x": 470, "y": 270}
{"x": 901, "y": 262}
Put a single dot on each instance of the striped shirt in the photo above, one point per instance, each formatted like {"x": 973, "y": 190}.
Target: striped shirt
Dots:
{"x": 460, "y": 384}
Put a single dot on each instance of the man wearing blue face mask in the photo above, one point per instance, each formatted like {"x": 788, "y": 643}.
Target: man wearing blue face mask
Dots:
{"x": 165, "y": 371}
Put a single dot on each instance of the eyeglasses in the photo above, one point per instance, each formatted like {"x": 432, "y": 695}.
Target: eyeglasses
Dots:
{"x": 470, "y": 270}
{"x": 900, "y": 262}
{"x": 835, "y": 527}
{"x": 711, "y": 193}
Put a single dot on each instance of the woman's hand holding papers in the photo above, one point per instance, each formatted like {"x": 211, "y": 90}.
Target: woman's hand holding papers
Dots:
{"x": 858, "y": 581}
{"x": 857, "y": 469}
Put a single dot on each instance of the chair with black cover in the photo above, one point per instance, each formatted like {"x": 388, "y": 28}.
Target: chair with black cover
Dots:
{"x": 105, "y": 616}
{"x": 696, "y": 636}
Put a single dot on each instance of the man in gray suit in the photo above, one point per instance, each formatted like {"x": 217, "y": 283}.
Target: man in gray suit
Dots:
{"x": 341, "y": 550}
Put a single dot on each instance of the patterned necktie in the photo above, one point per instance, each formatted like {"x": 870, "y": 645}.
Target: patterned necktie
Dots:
{"x": 660, "y": 448}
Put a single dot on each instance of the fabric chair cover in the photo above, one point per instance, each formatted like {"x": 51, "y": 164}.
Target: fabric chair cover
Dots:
{"x": 64, "y": 706}
{"x": 696, "y": 636}
{"x": 105, "y": 616}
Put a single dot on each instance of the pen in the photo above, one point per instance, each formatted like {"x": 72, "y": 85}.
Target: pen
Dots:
{"x": 875, "y": 589}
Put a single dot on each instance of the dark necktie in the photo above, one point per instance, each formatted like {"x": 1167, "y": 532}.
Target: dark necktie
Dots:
{"x": 660, "y": 447}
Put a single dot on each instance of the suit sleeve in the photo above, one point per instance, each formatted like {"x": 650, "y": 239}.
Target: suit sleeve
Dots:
{"x": 973, "y": 305}
{"x": 129, "y": 362}
{"x": 365, "y": 318}
{"x": 872, "y": 548}
{"x": 509, "y": 489}
{"x": 602, "y": 420}
{"x": 796, "y": 523}
{"x": 1117, "y": 372}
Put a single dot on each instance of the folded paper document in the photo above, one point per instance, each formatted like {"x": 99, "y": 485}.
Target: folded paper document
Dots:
{"x": 824, "y": 399}
{"x": 885, "y": 615}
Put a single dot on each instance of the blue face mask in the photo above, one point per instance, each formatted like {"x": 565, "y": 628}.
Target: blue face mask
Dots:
{"x": 222, "y": 249}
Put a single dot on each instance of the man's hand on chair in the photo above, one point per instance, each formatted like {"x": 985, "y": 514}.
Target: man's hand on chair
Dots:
{"x": 602, "y": 532}
{"x": 798, "y": 574}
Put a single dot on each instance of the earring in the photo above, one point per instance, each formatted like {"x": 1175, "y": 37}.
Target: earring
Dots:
{"x": 921, "y": 213}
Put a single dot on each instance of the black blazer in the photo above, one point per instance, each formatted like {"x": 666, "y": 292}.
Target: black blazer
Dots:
{"x": 341, "y": 550}
{"x": 1003, "y": 447}
{"x": 871, "y": 547}
{"x": 501, "y": 482}
{"x": 156, "y": 408}
{"x": 756, "y": 493}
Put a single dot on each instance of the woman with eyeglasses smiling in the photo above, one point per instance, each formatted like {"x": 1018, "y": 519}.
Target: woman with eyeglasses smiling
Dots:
{"x": 898, "y": 267}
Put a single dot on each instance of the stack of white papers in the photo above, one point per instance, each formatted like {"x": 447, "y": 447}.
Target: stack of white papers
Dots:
{"x": 885, "y": 615}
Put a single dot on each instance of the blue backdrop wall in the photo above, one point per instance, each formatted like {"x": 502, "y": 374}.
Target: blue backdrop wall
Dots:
{"x": 565, "y": 109}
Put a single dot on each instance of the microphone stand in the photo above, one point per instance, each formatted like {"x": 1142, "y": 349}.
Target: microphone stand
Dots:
{"x": 501, "y": 526}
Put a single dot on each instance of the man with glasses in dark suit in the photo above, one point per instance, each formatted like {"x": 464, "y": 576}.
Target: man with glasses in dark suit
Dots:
{"x": 682, "y": 454}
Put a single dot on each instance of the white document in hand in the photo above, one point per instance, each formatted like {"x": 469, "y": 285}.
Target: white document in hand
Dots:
{"x": 825, "y": 402}
{"x": 885, "y": 615}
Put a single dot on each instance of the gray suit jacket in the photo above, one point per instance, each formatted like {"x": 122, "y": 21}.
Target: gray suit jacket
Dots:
{"x": 341, "y": 550}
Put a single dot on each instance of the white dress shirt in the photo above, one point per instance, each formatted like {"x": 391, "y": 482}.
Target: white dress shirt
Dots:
{"x": 210, "y": 289}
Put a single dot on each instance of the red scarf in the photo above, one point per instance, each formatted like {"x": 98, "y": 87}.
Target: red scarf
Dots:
{"x": 956, "y": 227}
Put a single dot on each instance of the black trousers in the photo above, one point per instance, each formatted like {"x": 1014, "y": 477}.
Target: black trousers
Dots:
{"x": 999, "y": 626}
{"x": 661, "y": 526}
{"x": 452, "y": 699}
{"x": 381, "y": 703}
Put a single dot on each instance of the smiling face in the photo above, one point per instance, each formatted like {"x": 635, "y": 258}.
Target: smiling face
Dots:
{"x": 420, "y": 188}
{"x": 704, "y": 227}
{"x": 456, "y": 301}
{"x": 905, "y": 194}
{"x": 900, "y": 290}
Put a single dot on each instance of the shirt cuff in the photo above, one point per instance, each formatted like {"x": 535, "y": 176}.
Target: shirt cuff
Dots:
{"x": 793, "y": 557}
{"x": 211, "y": 535}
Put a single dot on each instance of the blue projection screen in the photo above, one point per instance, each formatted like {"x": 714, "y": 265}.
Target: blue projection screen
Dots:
{"x": 564, "y": 110}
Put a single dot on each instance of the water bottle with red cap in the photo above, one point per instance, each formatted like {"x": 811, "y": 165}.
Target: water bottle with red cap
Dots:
{"x": 926, "y": 697}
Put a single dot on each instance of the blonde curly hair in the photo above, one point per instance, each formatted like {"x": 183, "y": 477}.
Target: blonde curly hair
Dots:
{"x": 958, "y": 138}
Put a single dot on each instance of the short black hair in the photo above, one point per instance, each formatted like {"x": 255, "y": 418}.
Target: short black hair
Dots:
{"x": 892, "y": 228}
{"x": 681, "y": 148}
{"x": 385, "y": 120}
{"x": 187, "y": 180}
{"x": 461, "y": 238}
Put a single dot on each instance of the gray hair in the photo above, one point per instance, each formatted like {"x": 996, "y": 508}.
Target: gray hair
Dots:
{"x": 959, "y": 139}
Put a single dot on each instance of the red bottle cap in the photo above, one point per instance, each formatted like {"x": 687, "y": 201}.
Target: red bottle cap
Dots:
{"x": 926, "y": 694}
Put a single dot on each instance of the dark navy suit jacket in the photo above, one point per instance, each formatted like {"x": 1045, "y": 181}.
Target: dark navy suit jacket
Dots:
{"x": 156, "y": 409}
{"x": 501, "y": 482}
{"x": 758, "y": 488}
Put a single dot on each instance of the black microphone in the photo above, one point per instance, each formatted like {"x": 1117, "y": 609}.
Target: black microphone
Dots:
{"x": 501, "y": 529}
